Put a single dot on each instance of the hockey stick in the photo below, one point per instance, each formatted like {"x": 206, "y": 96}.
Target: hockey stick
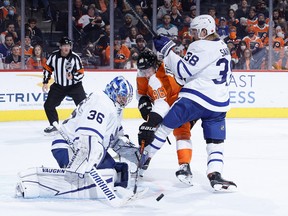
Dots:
{"x": 139, "y": 163}
{"x": 152, "y": 32}
{"x": 96, "y": 177}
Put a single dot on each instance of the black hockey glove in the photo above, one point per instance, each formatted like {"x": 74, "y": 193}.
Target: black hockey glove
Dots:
{"x": 144, "y": 106}
{"x": 146, "y": 133}
{"x": 147, "y": 129}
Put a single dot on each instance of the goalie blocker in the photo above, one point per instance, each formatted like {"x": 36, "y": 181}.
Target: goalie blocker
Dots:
{"x": 45, "y": 182}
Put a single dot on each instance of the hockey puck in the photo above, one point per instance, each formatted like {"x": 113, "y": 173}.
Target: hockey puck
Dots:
{"x": 160, "y": 197}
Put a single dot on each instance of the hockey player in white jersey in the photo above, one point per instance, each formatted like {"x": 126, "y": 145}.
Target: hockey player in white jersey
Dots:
{"x": 93, "y": 128}
{"x": 204, "y": 72}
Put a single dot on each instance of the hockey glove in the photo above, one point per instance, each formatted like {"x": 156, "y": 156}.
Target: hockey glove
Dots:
{"x": 147, "y": 129}
{"x": 163, "y": 45}
{"x": 146, "y": 133}
{"x": 144, "y": 106}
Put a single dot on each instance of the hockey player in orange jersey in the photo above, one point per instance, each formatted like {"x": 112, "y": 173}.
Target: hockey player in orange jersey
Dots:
{"x": 156, "y": 92}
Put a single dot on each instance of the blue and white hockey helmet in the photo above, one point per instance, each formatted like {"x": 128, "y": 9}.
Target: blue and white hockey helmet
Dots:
{"x": 120, "y": 91}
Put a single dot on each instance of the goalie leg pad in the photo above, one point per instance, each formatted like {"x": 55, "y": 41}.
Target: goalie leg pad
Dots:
{"x": 44, "y": 182}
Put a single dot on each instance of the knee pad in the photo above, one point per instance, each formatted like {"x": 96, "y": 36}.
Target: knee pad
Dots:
{"x": 122, "y": 170}
{"x": 62, "y": 156}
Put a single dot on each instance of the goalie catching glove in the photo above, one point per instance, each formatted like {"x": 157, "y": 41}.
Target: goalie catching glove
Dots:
{"x": 147, "y": 129}
{"x": 163, "y": 44}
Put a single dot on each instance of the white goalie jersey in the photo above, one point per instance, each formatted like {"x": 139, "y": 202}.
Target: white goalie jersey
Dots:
{"x": 92, "y": 118}
{"x": 205, "y": 72}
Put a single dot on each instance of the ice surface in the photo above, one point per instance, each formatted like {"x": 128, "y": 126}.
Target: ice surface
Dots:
{"x": 255, "y": 159}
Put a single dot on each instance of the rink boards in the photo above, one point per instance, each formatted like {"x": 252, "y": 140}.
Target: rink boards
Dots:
{"x": 254, "y": 94}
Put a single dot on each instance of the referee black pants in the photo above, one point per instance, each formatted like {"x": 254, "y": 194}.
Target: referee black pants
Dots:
{"x": 56, "y": 95}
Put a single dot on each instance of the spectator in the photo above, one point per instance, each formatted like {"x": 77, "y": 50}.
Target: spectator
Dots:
{"x": 10, "y": 29}
{"x": 232, "y": 37}
{"x": 192, "y": 13}
{"x": 130, "y": 41}
{"x": 139, "y": 10}
{"x": 242, "y": 27}
{"x": 101, "y": 44}
{"x": 88, "y": 18}
{"x": 135, "y": 51}
{"x": 243, "y": 10}
{"x": 34, "y": 32}
{"x": 102, "y": 7}
{"x": 28, "y": 48}
{"x": 78, "y": 10}
{"x": 262, "y": 8}
{"x": 143, "y": 30}
{"x": 262, "y": 29}
{"x": 5, "y": 48}
{"x": 13, "y": 60}
{"x": 232, "y": 20}
{"x": 91, "y": 24}
{"x": 222, "y": 29}
{"x": 12, "y": 17}
{"x": 246, "y": 62}
{"x": 186, "y": 25}
{"x": 166, "y": 28}
{"x": 128, "y": 24}
{"x": 282, "y": 64}
{"x": 4, "y": 10}
{"x": 233, "y": 53}
{"x": 176, "y": 18}
{"x": 121, "y": 53}
{"x": 253, "y": 42}
{"x": 164, "y": 9}
{"x": 212, "y": 12}
{"x": 240, "y": 50}
{"x": 252, "y": 18}
{"x": 37, "y": 60}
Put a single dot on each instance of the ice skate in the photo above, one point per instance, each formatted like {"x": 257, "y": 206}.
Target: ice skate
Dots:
{"x": 218, "y": 183}
{"x": 184, "y": 174}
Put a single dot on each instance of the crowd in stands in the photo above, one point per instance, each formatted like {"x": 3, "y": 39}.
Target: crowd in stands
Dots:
{"x": 244, "y": 27}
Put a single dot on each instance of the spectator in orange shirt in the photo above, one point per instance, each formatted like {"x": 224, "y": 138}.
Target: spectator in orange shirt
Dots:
{"x": 253, "y": 42}
{"x": 261, "y": 29}
{"x": 37, "y": 60}
{"x": 5, "y": 9}
{"x": 212, "y": 12}
{"x": 121, "y": 53}
{"x": 28, "y": 48}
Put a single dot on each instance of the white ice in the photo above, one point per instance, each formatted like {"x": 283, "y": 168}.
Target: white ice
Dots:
{"x": 256, "y": 159}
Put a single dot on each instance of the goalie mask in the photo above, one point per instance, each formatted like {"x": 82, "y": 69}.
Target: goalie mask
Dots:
{"x": 203, "y": 22}
{"x": 120, "y": 91}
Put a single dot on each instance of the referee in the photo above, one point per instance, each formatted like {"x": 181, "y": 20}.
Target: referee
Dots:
{"x": 68, "y": 74}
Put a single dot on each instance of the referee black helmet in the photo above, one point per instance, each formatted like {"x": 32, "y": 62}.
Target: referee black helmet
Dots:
{"x": 65, "y": 40}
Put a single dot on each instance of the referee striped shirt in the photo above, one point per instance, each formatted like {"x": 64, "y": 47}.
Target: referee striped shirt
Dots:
{"x": 61, "y": 66}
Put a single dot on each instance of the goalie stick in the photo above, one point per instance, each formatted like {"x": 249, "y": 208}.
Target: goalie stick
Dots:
{"x": 149, "y": 28}
{"x": 96, "y": 177}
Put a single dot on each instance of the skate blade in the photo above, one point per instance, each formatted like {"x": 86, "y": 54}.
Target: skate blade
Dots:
{"x": 228, "y": 188}
{"x": 185, "y": 179}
